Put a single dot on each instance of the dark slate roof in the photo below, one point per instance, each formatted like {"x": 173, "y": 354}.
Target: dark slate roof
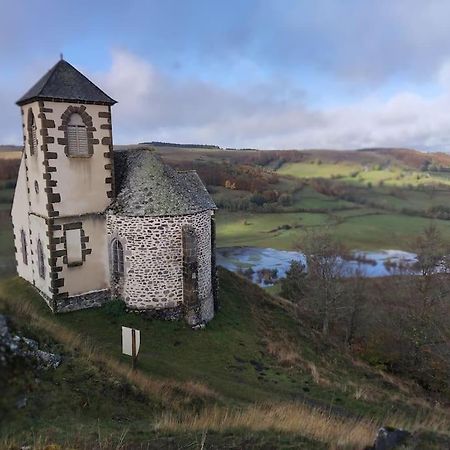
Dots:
{"x": 64, "y": 82}
{"x": 146, "y": 186}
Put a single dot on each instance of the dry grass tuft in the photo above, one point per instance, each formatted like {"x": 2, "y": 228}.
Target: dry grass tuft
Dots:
{"x": 316, "y": 376}
{"x": 361, "y": 393}
{"x": 315, "y": 424}
{"x": 284, "y": 352}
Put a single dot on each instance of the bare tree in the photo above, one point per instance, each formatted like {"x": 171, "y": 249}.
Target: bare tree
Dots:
{"x": 355, "y": 301}
{"x": 325, "y": 267}
{"x": 428, "y": 310}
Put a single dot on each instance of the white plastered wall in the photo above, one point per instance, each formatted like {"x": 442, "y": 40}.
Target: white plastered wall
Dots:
{"x": 35, "y": 163}
{"x": 80, "y": 181}
{"x": 93, "y": 273}
{"x": 19, "y": 214}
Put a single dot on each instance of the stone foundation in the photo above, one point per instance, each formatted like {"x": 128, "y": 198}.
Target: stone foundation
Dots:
{"x": 77, "y": 302}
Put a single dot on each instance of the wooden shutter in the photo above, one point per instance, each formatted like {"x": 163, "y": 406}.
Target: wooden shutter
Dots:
{"x": 33, "y": 137}
{"x": 32, "y": 132}
{"x": 77, "y": 140}
{"x": 82, "y": 140}
{"x": 23, "y": 239}
{"x": 41, "y": 263}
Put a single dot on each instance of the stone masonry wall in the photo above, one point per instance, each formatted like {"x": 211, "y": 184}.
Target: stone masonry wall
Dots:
{"x": 153, "y": 254}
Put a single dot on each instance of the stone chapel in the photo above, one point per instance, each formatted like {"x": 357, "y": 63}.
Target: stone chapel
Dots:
{"x": 92, "y": 224}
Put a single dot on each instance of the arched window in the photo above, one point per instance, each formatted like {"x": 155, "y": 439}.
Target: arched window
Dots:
{"x": 40, "y": 256}
{"x": 117, "y": 257}
{"x": 77, "y": 137}
{"x": 23, "y": 249}
{"x": 32, "y": 132}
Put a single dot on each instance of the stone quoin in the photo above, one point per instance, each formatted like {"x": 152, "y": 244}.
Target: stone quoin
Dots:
{"x": 92, "y": 224}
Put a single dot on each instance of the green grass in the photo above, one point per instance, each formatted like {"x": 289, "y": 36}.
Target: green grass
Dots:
{"x": 256, "y": 229}
{"x": 309, "y": 199}
{"x": 229, "y": 356}
{"x": 79, "y": 399}
{"x": 364, "y": 229}
{"x": 238, "y": 357}
{"x": 219, "y": 356}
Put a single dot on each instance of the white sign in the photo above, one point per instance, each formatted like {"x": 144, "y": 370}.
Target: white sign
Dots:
{"x": 131, "y": 339}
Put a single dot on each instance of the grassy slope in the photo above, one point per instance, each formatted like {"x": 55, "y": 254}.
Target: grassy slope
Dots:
{"x": 252, "y": 353}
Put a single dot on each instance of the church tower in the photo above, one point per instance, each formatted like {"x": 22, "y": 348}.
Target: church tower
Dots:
{"x": 64, "y": 186}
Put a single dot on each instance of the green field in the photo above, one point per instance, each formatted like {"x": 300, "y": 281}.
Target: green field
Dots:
{"x": 361, "y": 229}
{"x": 367, "y": 207}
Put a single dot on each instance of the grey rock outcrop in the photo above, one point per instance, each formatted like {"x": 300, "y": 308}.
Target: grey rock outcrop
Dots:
{"x": 12, "y": 345}
{"x": 390, "y": 438}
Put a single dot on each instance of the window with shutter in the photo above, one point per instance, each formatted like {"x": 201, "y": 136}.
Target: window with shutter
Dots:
{"x": 77, "y": 138}
{"x": 40, "y": 256}
{"x": 23, "y": 240}
{"x": 32, "y": 132}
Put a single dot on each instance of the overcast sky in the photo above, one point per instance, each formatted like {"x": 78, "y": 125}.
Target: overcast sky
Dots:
{"x": 244, "y": 73}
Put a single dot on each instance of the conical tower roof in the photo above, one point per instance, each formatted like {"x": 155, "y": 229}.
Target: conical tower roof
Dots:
{"x": 64, "y": 82}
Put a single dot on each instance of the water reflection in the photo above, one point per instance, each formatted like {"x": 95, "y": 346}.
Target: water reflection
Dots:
{"x": 264, "y": 266}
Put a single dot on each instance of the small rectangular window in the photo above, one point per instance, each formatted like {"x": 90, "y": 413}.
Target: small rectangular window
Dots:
{"x": 73, "y": 247}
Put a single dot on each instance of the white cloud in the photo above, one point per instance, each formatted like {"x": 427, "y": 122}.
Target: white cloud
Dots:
{"x": 155, "y": 106}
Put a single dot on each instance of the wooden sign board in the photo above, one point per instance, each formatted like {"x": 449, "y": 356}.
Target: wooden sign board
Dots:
{"x": 131, "y": 341}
